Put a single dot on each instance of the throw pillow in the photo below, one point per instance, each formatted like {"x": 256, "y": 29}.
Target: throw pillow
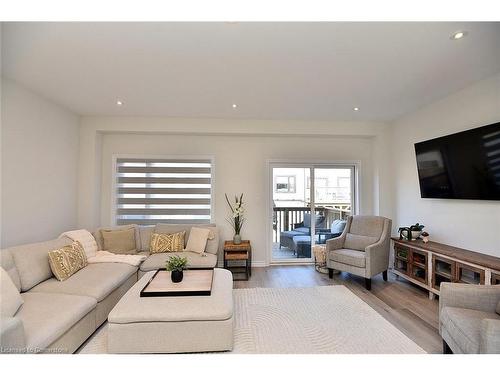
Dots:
{"x": 67, "y": 261}
{"x": 119, "y": 241}
{"x": 10, "y": 298}
{"x": 167, "y": 242}
{"x": 197, "y": 240}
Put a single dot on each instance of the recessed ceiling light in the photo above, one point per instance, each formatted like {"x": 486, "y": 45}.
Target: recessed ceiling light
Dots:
{"x": 119, "y": 103}
{"x": 458, "y": 35}
{"x": 234, "y": 106}
{"x": 356, "y": 108}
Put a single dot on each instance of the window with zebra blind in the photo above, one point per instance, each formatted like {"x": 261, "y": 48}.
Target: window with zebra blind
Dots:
{"x": 162, "y": 190}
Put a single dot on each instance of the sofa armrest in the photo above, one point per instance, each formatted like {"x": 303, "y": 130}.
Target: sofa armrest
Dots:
{"x": 377, "y": 257}
{"x": 475, "y": 297}
{"x": 490, "y": 336}
{"x": 11, "y": 335}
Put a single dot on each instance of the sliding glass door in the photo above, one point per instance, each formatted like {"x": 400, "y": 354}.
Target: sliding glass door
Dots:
{"x": 306, "y": 201}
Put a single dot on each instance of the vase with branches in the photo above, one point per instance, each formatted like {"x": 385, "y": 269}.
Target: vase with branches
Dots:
{"x": 236, "y": 218}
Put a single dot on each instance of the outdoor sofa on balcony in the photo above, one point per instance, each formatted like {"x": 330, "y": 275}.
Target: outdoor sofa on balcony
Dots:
{"x": 299, "y": 239}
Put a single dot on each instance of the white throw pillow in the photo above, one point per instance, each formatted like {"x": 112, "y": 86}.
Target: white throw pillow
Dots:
{"x": 10, "y": 298}
{"x": 197, "y": 240}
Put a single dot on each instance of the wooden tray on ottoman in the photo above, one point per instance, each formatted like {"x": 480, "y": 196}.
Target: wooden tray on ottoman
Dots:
{"x": 195, "y": 283}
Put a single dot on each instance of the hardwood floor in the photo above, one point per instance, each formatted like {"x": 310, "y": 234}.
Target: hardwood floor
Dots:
{"x": 403, "y": 304}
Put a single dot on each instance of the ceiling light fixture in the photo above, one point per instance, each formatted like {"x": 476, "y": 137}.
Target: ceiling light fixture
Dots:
{"x": 119, "y": 103}
{"x": 458, "y": 35}
{"x": 356, "y": 109}
{"x": 234, "y": 106}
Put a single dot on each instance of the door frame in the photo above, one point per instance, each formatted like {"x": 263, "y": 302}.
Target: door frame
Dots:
{"x": 308, "y": 163}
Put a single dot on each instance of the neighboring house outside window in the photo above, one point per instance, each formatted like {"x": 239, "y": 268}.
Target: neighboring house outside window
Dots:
{"x": 285, "y": 184}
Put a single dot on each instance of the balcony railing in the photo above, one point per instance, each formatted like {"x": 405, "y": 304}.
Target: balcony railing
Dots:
{"x": 285, "y": 218}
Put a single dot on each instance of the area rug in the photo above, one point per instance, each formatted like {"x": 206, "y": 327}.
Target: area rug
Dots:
{"x": 317, "y": 320}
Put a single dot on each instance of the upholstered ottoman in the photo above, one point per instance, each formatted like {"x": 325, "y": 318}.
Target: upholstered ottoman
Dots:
{"x": 173, "y": 324}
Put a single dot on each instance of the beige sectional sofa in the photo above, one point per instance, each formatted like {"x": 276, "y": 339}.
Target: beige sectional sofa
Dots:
{"x": 58, "y": 316}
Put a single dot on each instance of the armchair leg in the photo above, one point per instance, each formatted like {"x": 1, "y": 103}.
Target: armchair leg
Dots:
{"x": 384, "y": 275}
{"x": 368, "y": 284}
{"x": 446, "y": 348}
{"x": 330, "y": 273}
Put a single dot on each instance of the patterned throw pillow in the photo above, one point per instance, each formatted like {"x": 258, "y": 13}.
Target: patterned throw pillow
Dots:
{"x": 67, "y": 261}
{"x": 167, "y": 242}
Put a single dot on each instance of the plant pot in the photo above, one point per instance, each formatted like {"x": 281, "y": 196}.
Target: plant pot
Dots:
{"x": 176, "y": 276}
{"x": 237, "y": 239}
{"x": 415, "y": 234}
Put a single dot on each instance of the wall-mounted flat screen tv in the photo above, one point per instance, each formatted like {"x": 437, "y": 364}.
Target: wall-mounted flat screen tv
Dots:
{"x": 464, "y": 165}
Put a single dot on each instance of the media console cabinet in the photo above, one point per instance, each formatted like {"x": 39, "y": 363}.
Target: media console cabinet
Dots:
{"x": 429, "y": 264}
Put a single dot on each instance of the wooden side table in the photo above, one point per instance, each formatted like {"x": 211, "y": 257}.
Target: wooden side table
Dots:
{"x": 240, "y": 252}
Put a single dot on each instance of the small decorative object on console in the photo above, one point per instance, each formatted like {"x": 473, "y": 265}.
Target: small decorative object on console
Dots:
{"x": 176, "y": 265}
{"x": 236, "y": 219}
{"x": 411, "y": 233}
{"x": 425, "y": 237}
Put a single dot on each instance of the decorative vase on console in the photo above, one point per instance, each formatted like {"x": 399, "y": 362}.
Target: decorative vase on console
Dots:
{"x": 236, "y": 219}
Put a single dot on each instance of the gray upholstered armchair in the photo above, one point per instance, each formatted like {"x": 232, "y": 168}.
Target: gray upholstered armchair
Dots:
{"x": 469, "y": 318}
{"x": 362, "y": 249}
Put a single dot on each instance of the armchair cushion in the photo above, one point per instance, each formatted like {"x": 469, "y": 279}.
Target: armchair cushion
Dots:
{"x": 359, "y": 242}
{"x": 371, "y": 226}
{"x": 464, "y": 327}
{"x": 350, "y": 257}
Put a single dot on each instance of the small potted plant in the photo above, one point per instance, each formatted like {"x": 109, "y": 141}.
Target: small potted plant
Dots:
{"x": 425, "y": 236}
{"x": 176, "y": 265}
{"x": 236, "y": 218}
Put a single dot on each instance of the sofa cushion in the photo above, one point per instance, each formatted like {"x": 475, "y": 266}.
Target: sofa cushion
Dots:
{"x": 10, "y": 298}
{"x": 167, "y": 242}
{"x": 464, "y": 326}
{"x": 47, "y": 316}
{"x": 32, "y": 261}
{"x": 358, "y": 242}
{"x": 100, "y": 240}
{"x": 121, "y": 241}
{"x": 145, "y": 233}
{"x": 198, "y": 238}
{"x": 157, "y": 261}
{"x": 67, "y": 261}
{"x": 97, "y": 280}
{"x": 348, "y": 256}
{"x": 212, "y": 244}
{"x": 371, "y": 226}
{"x": 7, "y": 263}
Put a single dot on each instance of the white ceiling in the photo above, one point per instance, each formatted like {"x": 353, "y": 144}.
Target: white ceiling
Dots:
{"x": 306, "y": 71}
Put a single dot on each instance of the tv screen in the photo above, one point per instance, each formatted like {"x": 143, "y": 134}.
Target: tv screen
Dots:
{"x": 464, "y": 165}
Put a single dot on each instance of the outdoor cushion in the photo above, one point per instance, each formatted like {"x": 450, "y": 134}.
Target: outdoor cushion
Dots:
{"x": 47, "y": 316}
{"x": 338, "y": 226}
{"x": 358, "y": 242}
{"x": 347, "y": 256}
{"x": 97, "y": 280}
{"x": 157, "y": 261}
{"x": 464, "y": 325}
{"x": 32, "y": 261}
{"x": 302, "y": 230}
{"x": 10, "y": 299}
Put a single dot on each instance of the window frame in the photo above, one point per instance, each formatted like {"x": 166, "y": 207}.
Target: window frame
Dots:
{"x": 115, "y": 157}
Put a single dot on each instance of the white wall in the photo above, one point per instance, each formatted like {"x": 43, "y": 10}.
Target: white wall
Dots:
{"x": 39, "y": 149}
{"x": 241, "y": 150}
{"x": 469, "y": 224}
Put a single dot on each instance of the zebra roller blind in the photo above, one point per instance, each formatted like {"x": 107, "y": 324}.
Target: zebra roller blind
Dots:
{"x": 150, "y": 191}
